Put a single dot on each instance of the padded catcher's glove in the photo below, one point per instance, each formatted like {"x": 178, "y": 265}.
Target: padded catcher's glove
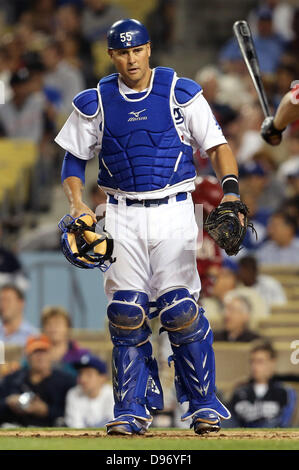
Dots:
{"x": 224, "y": 226}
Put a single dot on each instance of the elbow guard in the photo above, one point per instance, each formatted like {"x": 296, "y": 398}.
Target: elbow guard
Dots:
{"x": 73, "y": 166}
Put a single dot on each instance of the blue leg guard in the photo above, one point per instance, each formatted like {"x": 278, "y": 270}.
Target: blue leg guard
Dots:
{"x": 191, "y": 339}
{"x": 136, "y": 384}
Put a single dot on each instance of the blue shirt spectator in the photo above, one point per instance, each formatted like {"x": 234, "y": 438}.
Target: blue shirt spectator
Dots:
{"x": 14, "y": 329}
{"x": 282, "y": 247}
{"x": 269, "y": 46}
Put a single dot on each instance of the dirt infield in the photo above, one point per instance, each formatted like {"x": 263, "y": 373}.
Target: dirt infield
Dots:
{"x": 160, "y": 434}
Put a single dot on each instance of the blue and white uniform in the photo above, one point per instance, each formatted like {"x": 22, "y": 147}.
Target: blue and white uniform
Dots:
{"x": 145, "y": 143}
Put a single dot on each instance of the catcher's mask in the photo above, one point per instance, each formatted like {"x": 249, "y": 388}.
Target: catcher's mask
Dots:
{"x": 82, "y": 246}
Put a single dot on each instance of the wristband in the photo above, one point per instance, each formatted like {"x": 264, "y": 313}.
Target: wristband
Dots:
{"x": 230, "y": 185}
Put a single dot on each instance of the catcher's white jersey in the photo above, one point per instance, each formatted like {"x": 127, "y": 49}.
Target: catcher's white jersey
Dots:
{"x": 195, "y": 122}
{"x": 155, "y": 246}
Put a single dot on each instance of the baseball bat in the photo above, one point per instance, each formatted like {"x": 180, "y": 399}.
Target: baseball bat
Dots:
{"x": 244, "y": 37}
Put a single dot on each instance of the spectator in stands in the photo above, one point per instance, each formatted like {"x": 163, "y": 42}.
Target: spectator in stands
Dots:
{"x": 5, "y": 74}
{"x": 13, "y": 51}
{"x": 282, "y": 248}
{"x": 42, "y": 15}
{"x": 293, "y": 46}
{"x": 253, "y": 177}
{"x": 251, "y": 141}
{"x": 98, "y": 16}
{"x": 210, "y": 80}
{"x": 223, "y": 281}
{"x": 258, "y": 217}
{"x": 285, "y": 75}
{"x": 289, "y": 169}
{"x": 69, "y": 32}
{"x": 35, "y": 395}
{"x": 64, "y": 351}
{"x": 291, "y": 207}
{"x": 269, "y": 195}
{"x": 236, "y": 320}
{"x": 161, "y": 24}
{"x": 90, "y": 403}
{"x": 11, "y": 271}
{"x": 268, "y": 287}
{"x": 293, "y": 179}
{"x": 282, "y": 14}
{"x": 23, "y": 115}
{"x": 14, "y": 329}
{"x": 269, "y": 45}
{"x": 262, "y": 402}
{"x": 62, "y": 80}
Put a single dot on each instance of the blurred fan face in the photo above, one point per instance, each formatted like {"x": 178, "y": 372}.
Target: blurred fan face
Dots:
{"x": 279, "y": 231}
{"x": 11, "y": 306}
{"x": 40, "y": 361}
{"x": 57, "y": 329}
{"x": 262, "y": 366}
{"x": 68, "y": 19}
{"x": 225, "y": 281}
{"x": 90, "y": 380}
{"x": 235, "y": 316}
{"x": 265, "y": 27}
{"x": 50, "y": 57}
{"x": 247, "y": 274}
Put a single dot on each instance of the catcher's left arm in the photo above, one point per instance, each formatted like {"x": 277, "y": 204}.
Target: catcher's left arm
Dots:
{"x": 227, "y": 224}
{"x": 224, "y": 163}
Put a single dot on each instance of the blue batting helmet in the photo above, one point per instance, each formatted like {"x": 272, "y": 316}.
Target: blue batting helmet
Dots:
{"x": 127, "y": 33}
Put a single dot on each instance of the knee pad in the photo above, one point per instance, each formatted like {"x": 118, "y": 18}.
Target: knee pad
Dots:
{"x": 181, "y": 317}
{"x": 127, "y": 314}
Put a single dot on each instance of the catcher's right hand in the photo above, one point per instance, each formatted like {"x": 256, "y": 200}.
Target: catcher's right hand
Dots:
{"x": 269, "y": 132}
{"x": 224, "y": 226}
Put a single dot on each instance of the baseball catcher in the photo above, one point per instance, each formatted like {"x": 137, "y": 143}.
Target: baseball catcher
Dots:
{"x": 147, "y": 123}
{"x": 223, "y": 224}
{"x": 82, "y": 246}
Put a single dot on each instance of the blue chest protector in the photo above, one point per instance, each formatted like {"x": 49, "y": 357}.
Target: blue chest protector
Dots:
{"x": 141, "y": 149}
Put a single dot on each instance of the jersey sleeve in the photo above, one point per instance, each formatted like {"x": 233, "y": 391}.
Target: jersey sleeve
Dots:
{"x": 81, "y": 136}
{"x": 202, "y": 124}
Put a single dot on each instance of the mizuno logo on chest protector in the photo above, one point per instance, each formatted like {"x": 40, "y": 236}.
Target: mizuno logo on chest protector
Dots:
{"x": 136, "y": 116}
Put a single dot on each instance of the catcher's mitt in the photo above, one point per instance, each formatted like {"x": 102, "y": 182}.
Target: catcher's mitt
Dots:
{"x": 224, "y": 226}
{"x": 82, "y": 246}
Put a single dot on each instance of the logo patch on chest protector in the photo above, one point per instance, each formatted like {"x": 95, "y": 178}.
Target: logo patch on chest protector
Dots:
{"x": 136, "y": 116}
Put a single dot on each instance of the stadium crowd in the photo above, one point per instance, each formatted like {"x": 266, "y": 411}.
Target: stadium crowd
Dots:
{"x": 49, "y": 51}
